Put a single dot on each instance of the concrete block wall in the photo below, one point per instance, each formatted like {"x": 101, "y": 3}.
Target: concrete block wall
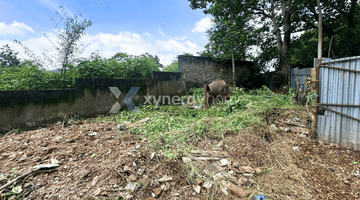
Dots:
{"x": 197, "y": 71}
{"x": 34, "y": 108}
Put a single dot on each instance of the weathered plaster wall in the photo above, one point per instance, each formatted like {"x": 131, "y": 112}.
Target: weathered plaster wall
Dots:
{"x": 197, "y": 71}
{"x": 33, "y": 108}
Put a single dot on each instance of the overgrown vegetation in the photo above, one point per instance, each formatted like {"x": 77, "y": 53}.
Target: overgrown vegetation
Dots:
{"x": 174, "y": 128}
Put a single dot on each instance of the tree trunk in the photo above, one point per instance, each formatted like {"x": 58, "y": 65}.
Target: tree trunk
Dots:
{"x": 283, "y": 44}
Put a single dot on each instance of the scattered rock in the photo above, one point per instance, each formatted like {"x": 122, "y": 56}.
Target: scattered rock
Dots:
{"x": 248, "y": 175}
{"x": 17, "y": 189}
{"x": 152, "y": 155}
{"x": 296, "y": 119}
{"x": 238, "y": 191}
{"x": 198, "y": 182}
{"x": 92, "y": 134}
{"x": 97, "y": 192}
{"x": 197, "y": 188}
{"x": 186, "y": 159}
{"x": 130, "y": 186}
{"x": 157, "y": 192}
{"x": 27, "y": 185}
{"x": 273, "y": 127}
{"x": 127, "y": 169}
{"x": 296, "y": 148}
{"x": 225, "y": 187}
{"x": 220, "y": 144}
{"x": 258, "y": 170}
{"x": 132, "y": 178}
{"x": 247, "y": 169}
{"x": 218, "y": 176}
{"x": 164, "y": 179}
{"x": 54, "y": 161}
{"x": 302, "y": 135}
{"x": 242, "y": 181}
{"x": 207, "y": 185}
{"x": 223, "y": 162}
{"x": 236, "y": 164}
{"x": 94, "y": 181}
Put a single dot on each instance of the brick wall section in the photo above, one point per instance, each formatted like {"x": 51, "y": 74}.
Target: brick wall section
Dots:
{"x": 197, "y": 71}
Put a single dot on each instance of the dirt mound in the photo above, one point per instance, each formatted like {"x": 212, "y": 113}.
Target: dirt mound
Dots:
{"x": 95, "y": 160}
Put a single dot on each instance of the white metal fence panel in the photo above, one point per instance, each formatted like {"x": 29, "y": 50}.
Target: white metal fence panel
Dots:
{"x": 339, "y": 98}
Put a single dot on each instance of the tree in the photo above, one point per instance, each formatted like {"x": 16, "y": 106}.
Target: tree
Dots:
{"x": 275, "y": 16}
{"x": 67, "y": 45}
{"x": 156, "y": 58}
{"x": 173, "y": 67}
{"x": 120, "y": 55}
{"x": 8, "y": 57}
{"x": 340, "y": 21}
{"x": 341, "y": 35}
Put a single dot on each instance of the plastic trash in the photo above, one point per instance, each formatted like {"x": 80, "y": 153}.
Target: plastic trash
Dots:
{"x": 259, "y": 197}
{"x": 357, "y": 174}
{"x": 335, "y": 152}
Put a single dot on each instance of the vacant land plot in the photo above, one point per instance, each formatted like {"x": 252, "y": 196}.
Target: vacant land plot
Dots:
{"x": 256, "y": 143}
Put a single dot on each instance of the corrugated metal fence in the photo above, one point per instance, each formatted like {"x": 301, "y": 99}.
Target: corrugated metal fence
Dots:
{"x": 338, "y": 119}
{"x": 299, "y": 76}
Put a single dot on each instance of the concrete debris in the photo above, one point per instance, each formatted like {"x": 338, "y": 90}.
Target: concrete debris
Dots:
{"x": 17, "y": 189}
{"x": 207, "y": 185}
{"x": 225, "y": 187}
{"x": 223, "y": 162}
{"x": 94, "y": 181}
{"x": 92, "y": 134}
{"x": 127, "y": 169}
{"x": 130, "y": 187}
{"x": 97, "y": 192}
{"x": 296, "y": 148}
{"x": 152, "y": 155}
{"x": 218, "y": 176}
{"x": 54, "y": 161}
{"x": 197, "y": 188}
{"x": 247, "y": 169}
{"x": 186, "y": 159}
{"x": 247, "y": 175}
{"x": 296, "y": 119}
{"x": 164, "y": 179}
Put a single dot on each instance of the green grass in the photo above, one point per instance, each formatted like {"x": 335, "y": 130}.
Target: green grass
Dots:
{"x": 172, "y": 129}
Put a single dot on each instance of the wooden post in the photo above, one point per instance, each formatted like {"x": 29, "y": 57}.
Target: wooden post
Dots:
{"x": 233, "y": 67}
{"x": 320, "y": 31}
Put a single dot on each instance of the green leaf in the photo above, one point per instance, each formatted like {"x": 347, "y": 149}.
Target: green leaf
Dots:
{"x": 94, "y": 155}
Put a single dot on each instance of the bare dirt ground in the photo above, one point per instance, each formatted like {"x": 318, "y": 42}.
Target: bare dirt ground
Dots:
{"x": 281, "y": 161}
